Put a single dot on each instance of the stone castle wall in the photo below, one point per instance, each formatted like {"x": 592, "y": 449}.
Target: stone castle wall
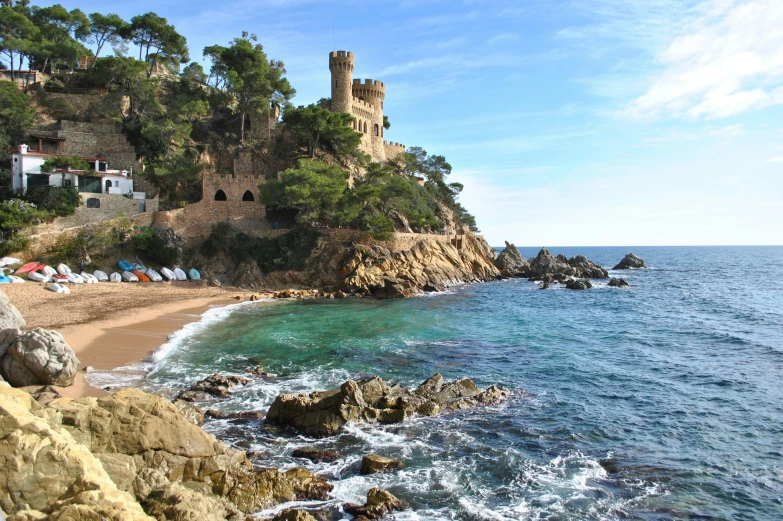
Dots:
{"x": 98, "y": 138}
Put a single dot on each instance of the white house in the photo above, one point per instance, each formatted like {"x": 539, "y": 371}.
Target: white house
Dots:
{"x": 26, "y": 170}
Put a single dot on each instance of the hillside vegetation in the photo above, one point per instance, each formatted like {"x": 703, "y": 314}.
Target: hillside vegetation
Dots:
{"x": 185, "y": 119}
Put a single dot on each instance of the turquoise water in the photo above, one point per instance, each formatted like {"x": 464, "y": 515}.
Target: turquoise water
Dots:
{"x": 662, "y": 401}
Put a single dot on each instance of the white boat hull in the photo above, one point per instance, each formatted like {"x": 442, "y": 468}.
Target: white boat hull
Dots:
{"x": 16, "y": 280}
{"x": 154, "y": 275}
{"x": 48, "y": 271}
{"x": 180, "y": 274}
{"x": 89, "y": 278}
{"x": 74, "y": 278}
{"x": 127, "y": 276}
{"x": 62, "y": 269}
{"x": 38, "y": 277}
{"x": 168, "y": 274}
{"x": 59, "y": 288}
{"x": 115, "y": 277}
{"x": 100, "y": 275}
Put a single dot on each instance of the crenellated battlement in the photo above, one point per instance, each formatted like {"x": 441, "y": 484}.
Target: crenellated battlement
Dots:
{"x": 394, "y": 144}
{"x": 341, "y": 61}
{"x": 369, "y": 89}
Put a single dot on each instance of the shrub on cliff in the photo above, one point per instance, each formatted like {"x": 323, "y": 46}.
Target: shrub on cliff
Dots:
{"x": 318, "y": 128}
{"x": 155, "y": 248}
{"x": 61, "y": 201}
{"x": 285, "y": 252}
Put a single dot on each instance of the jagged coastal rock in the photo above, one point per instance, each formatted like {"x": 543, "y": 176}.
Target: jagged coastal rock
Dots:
{"x": 429, "y": 265}
{"x": 315, "y": 455}
{"x": 559, "y": 268}
{"x": 324, "y": 413}
{"x": 379, "y": 503}
{"x": 629, "y": 262}
{"x": 619, "y": 283}
{"x": 129, "y": 455}
{"x": 579, "y": 284}
{"x": 374, "y": 464}
{"x": 213, "y": 386}
{"x": 511, "y": 263}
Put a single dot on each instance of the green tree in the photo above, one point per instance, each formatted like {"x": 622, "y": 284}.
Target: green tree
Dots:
{"x": 158, "y": 41}
{"x": 55, "y": 163}
{"x": 60, "y": 31}
{"x": 111, "y": 29}
{"x": 386, "y": 123}
{"x": 15, "y": 216}
{"x": 317, "y": 127}
{"x": 256, "y": 82}
{"x": 15, "y": 118}
{"x": 17, "y": 33}
{"x": 314, "y": 189}
{"x": 61, "y": 201}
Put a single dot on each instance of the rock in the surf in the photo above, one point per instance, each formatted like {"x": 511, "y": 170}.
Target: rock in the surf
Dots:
{"x": 374, "y": 464}
{"x": 511, "y": 263}
{"x": 379, "y": 503}
{"x": 579, "y": 284}
{"x": 39, "y": 357}
{"x": 619, "y": 283}
{"x": 316, "y": 455}
{"x": 629, "y": 262}
{"x": 216, "y": 385}
{"x": 545, "y": 264}
{"x": 324, "y": 413}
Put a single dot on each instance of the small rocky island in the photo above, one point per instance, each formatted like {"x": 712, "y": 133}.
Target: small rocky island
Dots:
{"x": 323, "y": 413}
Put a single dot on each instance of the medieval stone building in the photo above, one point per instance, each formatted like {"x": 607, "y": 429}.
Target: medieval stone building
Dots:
{"x": 363, "y": 99}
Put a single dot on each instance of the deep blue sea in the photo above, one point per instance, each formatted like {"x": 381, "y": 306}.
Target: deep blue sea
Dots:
{"x": 663, "y": 401}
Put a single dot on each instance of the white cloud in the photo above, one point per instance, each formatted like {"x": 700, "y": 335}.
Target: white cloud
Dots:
{"x": 728, "y": 61}
{"x": 775, "y": 159}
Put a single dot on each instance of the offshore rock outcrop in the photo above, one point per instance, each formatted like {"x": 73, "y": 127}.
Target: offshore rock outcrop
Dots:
{"x": 560, "y": 267}
{"x": 630, "y": 262}
{"x": 511, "y": 263}
{"x": 128, "y": 456}
{"x": 323, "y": 413}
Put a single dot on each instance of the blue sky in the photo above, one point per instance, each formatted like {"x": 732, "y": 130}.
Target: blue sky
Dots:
{"x": 589, "y": 122}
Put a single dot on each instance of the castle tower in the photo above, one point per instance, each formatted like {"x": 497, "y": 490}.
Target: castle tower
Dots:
{"x": 341, "y": 67}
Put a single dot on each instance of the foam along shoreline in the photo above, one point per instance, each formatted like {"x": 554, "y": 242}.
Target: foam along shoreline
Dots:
{"x": 109, "y": 344}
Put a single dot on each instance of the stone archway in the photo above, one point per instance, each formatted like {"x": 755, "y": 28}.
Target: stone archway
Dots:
{"x": 220, "y": 195}
{"x": 248, "y": 196}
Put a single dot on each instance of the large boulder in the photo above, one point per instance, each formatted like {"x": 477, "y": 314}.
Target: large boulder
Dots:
{"x": 316, "y": 455}
{"x": 10, "y": 318}
{"x": 629, "y": 262}
{"x": 511, "y": 263}
{"x": 323, "y": 413}
{"x": 548, "y": 267}
{"x": 39, "y": 357}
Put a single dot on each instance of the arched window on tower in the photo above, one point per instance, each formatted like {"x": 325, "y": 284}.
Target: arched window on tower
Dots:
{"x": 354, "y": 123}
{"x": 220, "y": 195}
{"x": 248, "y": 196}
{"x": 365, "y": 127}
{"x": 376, "y": 130}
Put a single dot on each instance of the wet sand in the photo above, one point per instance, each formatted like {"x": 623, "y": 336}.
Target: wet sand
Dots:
{"x": 113, "y": 325}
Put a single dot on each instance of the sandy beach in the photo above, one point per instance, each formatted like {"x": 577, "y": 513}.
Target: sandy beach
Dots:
{"x": 112, "y": 325}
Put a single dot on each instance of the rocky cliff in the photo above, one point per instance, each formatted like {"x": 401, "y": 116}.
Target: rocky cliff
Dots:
{"x": 128, "y": 456}
{"x": 361, "y": 266}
